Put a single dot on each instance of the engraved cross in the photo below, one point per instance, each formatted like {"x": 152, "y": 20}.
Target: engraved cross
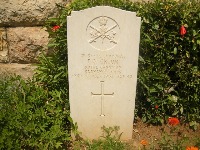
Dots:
{"x": 102, "y": 95}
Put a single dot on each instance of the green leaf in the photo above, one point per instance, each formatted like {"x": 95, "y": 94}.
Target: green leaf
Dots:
{"x": 52, "y": 45}
{"x": 187, "y": 54}
{"x": 156, "y": 26}
{"x": 192, "y": 123}
{"x": 70, "y": 119}
{"x": 175, "y": 50}
{"x": 58, "y": 75}
{"x": 152, "y": 90}
{"x": 144, "y": 119}
{"x": 194, "y": 32}
{"x": 181, "y": 110}
{"x": 175, "y": 113}
{"x": 141, "y": 59}
{"x": 198, "y": 42}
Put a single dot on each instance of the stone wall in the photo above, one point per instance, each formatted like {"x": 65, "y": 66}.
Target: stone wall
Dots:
{"x": 22, "y": 36}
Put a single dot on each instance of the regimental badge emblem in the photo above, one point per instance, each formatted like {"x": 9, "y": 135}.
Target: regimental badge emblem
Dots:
{"x": 103, "y": 33}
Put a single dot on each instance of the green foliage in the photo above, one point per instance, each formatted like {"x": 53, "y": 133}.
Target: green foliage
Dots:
{"x": 31, "y": 117}
{"x": 167, "y": 142}
{"x": 109, "y": 141}
{"x": 169, "y": 73}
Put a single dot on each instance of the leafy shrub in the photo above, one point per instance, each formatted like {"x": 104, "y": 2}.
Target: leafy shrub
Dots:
{"x": 169, "y": 74}
{"x": 109, "y": 140}
{"x": 31, "y": 117}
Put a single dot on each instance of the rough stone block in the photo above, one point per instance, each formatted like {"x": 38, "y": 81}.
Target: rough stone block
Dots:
{"x": 3, "y": 45}
{"x": 26, "y": 43}
{"x": 27, "y": 12}
{"x": 24, "y": 70}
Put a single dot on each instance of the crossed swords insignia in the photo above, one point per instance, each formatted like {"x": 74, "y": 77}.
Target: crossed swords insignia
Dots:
{"x": 103, "y": 32}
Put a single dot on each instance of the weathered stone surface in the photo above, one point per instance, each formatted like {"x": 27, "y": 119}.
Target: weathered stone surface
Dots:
{"x": 3, "y": 45}
{"x": 25, "y": 70}
{"x": 25, "y": 44}
{"x": 27, "y": 12}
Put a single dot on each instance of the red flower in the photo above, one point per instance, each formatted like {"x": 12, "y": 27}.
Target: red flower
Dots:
{"x": 192, "y": 148}
{"x": 156, "y": 107}
{"x": 182, "y": 31}
{"x": 55, "y": 28}
{"x": 144, "y": 142}
{"x": 173, "y": 121}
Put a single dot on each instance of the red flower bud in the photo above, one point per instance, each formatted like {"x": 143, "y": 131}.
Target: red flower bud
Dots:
{"x": 55, "y": 28}
{"x": 156, "y": 107}
{"x": 173, "y": 121}
{"x": 144, "y": 142}
{"x": 182, "y": 31}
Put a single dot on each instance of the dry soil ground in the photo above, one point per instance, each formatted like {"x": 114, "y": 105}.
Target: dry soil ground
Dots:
{"x": 154, "y": 134}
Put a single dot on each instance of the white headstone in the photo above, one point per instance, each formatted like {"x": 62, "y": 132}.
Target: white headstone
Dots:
{"x": 103, "y": 49}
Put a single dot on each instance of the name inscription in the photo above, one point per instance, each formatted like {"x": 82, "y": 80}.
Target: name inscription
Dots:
{"x": 102, "y": 66}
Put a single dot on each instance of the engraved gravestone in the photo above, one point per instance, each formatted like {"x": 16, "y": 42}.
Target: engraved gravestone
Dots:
{"x": 103, "y": 48}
